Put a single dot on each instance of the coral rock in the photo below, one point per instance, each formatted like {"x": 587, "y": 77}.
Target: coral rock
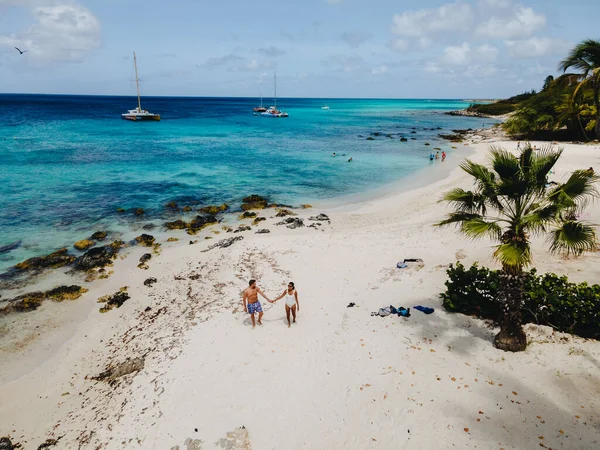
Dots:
{"x": 99, "y": 236}
{"x": 145, "y": 240}
{"x": 254, "y": 202}
{"x": 176, "y": 225}
{"x": 247, "y": 215}
{"x": 84, "y": 244}
{"x": 61, "y": 293}
{"x": 213, "y": 210}
{"x": 115, "y": 300}
{"x": 284, "y": 213}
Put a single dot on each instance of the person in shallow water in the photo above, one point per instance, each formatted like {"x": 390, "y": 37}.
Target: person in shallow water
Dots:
{"x": 251, "y": 303}
{"x": 291, "y": 302}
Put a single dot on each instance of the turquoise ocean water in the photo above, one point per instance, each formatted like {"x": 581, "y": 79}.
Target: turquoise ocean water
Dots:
{"x": 68, "y": 162}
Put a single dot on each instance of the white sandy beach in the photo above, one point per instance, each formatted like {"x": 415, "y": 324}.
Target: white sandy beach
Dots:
{"x": 338, "y": 378}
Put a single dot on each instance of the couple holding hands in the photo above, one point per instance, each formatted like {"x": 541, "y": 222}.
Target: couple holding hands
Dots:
{"x": 253, "y": 306}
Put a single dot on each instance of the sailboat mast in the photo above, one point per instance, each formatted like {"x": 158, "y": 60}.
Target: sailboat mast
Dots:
{"x": 275, "y": 81}
{"x": 137, "y": 82}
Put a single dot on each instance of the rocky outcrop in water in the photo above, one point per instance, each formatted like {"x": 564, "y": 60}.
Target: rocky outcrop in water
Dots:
{"x": 201, "y": 222}
{"x": 84, "y": 244}
{"x": 214, "y": 210}
{"x": 99, "y": 235}
{"x": 56, "y": 259}
{"x": 254, "y": 202}
{"x": 10, "y": 247}
{"x": 98, "y": 257}
{"x": 176, "y": 225}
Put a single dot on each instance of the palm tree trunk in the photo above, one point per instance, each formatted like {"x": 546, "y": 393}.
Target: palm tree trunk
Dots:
{"x": 596, "y": 88}
{"x": 511, "y": 337}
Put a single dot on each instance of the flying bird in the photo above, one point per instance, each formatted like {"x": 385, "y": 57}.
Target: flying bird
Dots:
{"x": 19, "y": 50}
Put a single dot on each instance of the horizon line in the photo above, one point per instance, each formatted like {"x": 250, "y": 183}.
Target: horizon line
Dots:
{"x": 462, "y": 99}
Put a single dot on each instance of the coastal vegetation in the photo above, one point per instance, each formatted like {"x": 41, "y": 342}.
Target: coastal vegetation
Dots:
{"x": 548, "y": 299}
{"x": 513, "y": 201}
{"x": 566, "y": 108}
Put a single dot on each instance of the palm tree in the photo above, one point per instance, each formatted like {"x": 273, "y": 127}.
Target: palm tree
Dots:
{"x": 585, "y": 56}
{"x": 510, "y": 203}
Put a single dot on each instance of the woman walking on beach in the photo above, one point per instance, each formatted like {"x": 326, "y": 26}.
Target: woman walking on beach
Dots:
{"x": 291, "y": 302}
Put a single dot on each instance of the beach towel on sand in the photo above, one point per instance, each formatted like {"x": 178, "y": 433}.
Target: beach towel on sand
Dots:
{"x": 424, "y": 309}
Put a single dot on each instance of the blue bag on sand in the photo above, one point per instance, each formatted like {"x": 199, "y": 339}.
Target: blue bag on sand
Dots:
{"x": 404, "y": 312}
{"x": 401, "y": 265}
{"x": 424, "y": 309}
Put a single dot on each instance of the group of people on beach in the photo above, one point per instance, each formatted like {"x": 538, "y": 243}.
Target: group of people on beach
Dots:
{"x": 435, "y": 156}
{"x": 252, "y": 305}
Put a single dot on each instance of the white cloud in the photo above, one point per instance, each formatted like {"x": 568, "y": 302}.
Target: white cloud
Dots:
{"x": 536, "y": 47}
{"x": 399, "y": 45}
{"x": 381, "y": 70}
{"x": 487, "y": 52}
{"x": 346, "y": 63}
{"x": 272, "y": 51}
{"x": 457, "y": 55}
{"x": 521, "y": 22}
{"x": 61, "y": 32}
{"x": 447, "y": 18}
{"x": 425, "y": 43}
{"x": 356, "y": 38}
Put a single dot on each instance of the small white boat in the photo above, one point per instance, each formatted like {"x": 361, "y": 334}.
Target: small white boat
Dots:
{"x": 273, "y": 111}
{"x": 325, "y": 108}
{"x": 138, "y": 114}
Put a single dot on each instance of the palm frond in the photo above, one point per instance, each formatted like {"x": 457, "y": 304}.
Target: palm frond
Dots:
{"x": 458, "y": 218}
{"x": 578, "y": 190}
{"x": 514, "y": 254}
{"x": 537, "y": 219}
{"x": 477, "y": 228}
{"x": 572, "y": 237}
{"x": 465, "y": 201}
{"x": 585, "y": 56}
{"x": 505, "y": 164}
{"x": 545, "y": 160}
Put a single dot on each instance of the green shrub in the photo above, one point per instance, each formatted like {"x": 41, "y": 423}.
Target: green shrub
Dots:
{"x": 492, "y": 109}
{"x": 549, "y": 299}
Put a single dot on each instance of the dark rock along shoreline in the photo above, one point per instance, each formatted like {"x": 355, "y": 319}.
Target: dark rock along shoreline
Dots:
{"x": 94, "y": 260}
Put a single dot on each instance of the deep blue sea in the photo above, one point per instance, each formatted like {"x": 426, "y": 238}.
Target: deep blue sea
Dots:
{"x": 68, "y": 162}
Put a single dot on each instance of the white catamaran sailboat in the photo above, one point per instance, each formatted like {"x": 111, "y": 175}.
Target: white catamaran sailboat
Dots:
{"x": 138, "y": 113}
{"x": 273, "y": 111}
{"x": 261, "y": 108}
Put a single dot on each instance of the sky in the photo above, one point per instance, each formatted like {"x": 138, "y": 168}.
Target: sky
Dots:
{"x": 319, "y": 48}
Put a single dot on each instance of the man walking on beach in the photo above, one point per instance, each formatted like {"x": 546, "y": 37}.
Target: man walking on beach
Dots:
{"x": 253, "y": 306}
